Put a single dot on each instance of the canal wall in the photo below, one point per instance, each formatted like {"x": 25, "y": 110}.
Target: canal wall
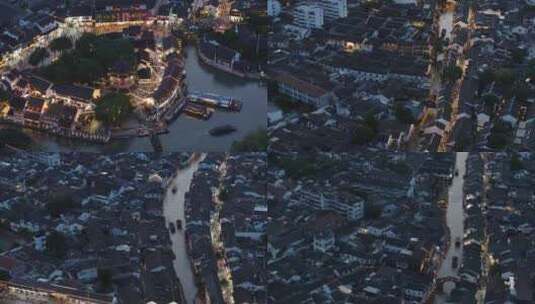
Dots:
{"x": 79, "y": 135}
{"x": 225, "y": 69}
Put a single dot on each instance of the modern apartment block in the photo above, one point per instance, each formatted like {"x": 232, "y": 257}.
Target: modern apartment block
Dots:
{"x": 309, "y": 16}
{"x": 333, "y": 9}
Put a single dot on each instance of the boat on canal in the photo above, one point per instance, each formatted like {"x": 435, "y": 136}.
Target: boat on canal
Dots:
{"x": 457, "y": 242}
{"x": 197, "y": 110}
{"x": 222, "y": 130}
{"x": 216, "y": 101}
{"x": 156, "y": 143}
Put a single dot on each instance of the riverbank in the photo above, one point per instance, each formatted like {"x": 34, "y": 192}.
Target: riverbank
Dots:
{"x": 185, "y": 133}
{"x": 78, "y": 135}
{"x": 174, "y": 211}
{"x": 226, "y": 69}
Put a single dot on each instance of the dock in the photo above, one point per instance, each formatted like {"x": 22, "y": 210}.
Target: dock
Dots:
{"x": 173, "y": 113}
{"x": 197, "y": 111}
{"x": 215, "y": 101}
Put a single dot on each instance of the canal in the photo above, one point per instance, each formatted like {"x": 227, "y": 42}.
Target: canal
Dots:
{"x": 186, "y": 133}
{"x": 173, "y": 209}
{"x": 455, "y": 222}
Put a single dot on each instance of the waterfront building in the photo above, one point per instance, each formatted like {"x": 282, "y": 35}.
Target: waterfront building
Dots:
{"x": 301, "y": 90}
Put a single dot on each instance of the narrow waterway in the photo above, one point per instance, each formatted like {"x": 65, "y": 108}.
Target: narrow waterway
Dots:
{"x": 455, "y": 222}
{"x": 186, "y": 133}
{"x": 173, "y": 208}
{"x": 446, "y": 23}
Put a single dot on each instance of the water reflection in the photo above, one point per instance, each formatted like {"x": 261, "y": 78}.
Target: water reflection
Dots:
{"x": 186, "y": 134}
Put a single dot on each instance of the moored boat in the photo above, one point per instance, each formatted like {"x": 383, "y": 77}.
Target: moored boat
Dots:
{"x": 216, "y": 101}
{"x": 222, "y": 130}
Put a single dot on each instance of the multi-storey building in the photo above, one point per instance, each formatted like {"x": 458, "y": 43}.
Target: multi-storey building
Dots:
{"x": 333, "y": 9}
{"x": 308, "y": 16}
{"x": 353, "y": 210}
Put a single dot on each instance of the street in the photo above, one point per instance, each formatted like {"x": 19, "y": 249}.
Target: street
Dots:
{"x": 173, "y": 211}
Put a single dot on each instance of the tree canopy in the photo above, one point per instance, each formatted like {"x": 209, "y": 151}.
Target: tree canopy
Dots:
{"x": 37, "y": 56}
{"x": 363, "y": 134}
{"x": 90, "y": 60}
{"x": 518, "y": 55}
{"x": 256, "y": 141}
{"x": 403, "y": 114}
{"x": 60, "y": 44}
{"x": 490, "y": 99}
{"x": 4, "y": 95}
{"x": 56, "y": 244}
{"x": 59, "y": 203}
{"x": 499, "y": 137}
{"x": 516, "y": 162}
{"x": 113, "y": 108}
{"x": 15, "y": 137}
{"x": 452, "y": 73}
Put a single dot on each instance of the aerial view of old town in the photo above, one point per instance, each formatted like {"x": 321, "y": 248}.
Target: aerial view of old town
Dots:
{"x": 133, "y": 228}
{"x": 401, "y": 75}
{"x": 120, "y": 76}
{"x": 361, "y": 227}
{"x": 267, "y": 151}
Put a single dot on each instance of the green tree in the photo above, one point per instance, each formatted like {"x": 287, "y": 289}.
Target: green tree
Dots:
{"x": 485, "y": 78}
{"x": 254, "y": 142}
{"x": 223, "y": 194}
{"x": 87, "y": 70}
{"x": 60, "y": 44}
{"x": 229, "y": 37}
{"x": 59, "y": 203}
{"x": 403, "y": 114}
{"x": 490, "y": 99}
{"x": 500, "y": 134}
{"x": 37, "y": 56}
{"x": 16, "y": 138}
{"x": 530, "y": 70}
{"x": 372, "y": 211}
{"x": 521, "y": 92}
{"x": 104, "y": 277}
{"x": 516, "y": 162}
{"x": 363, "y": 134}
{"x": 505, "y": 77}
{"x": 260, "y": 22}
{"x": 86, "y": 44}
{"x": 452, "y": 73}
{"x": 371, "y": 122}
{"x": 109, "y": 51}
{"x": 4, "y": 95}
{"x": 113, "y": 108}
{"x": 56, "y": 244}
{"x": 518, "y": 55}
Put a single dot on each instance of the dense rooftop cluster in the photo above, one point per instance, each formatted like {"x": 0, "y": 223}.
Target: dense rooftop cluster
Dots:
{"x": 336, "y": 235}
{"x": 94, "y": 223}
